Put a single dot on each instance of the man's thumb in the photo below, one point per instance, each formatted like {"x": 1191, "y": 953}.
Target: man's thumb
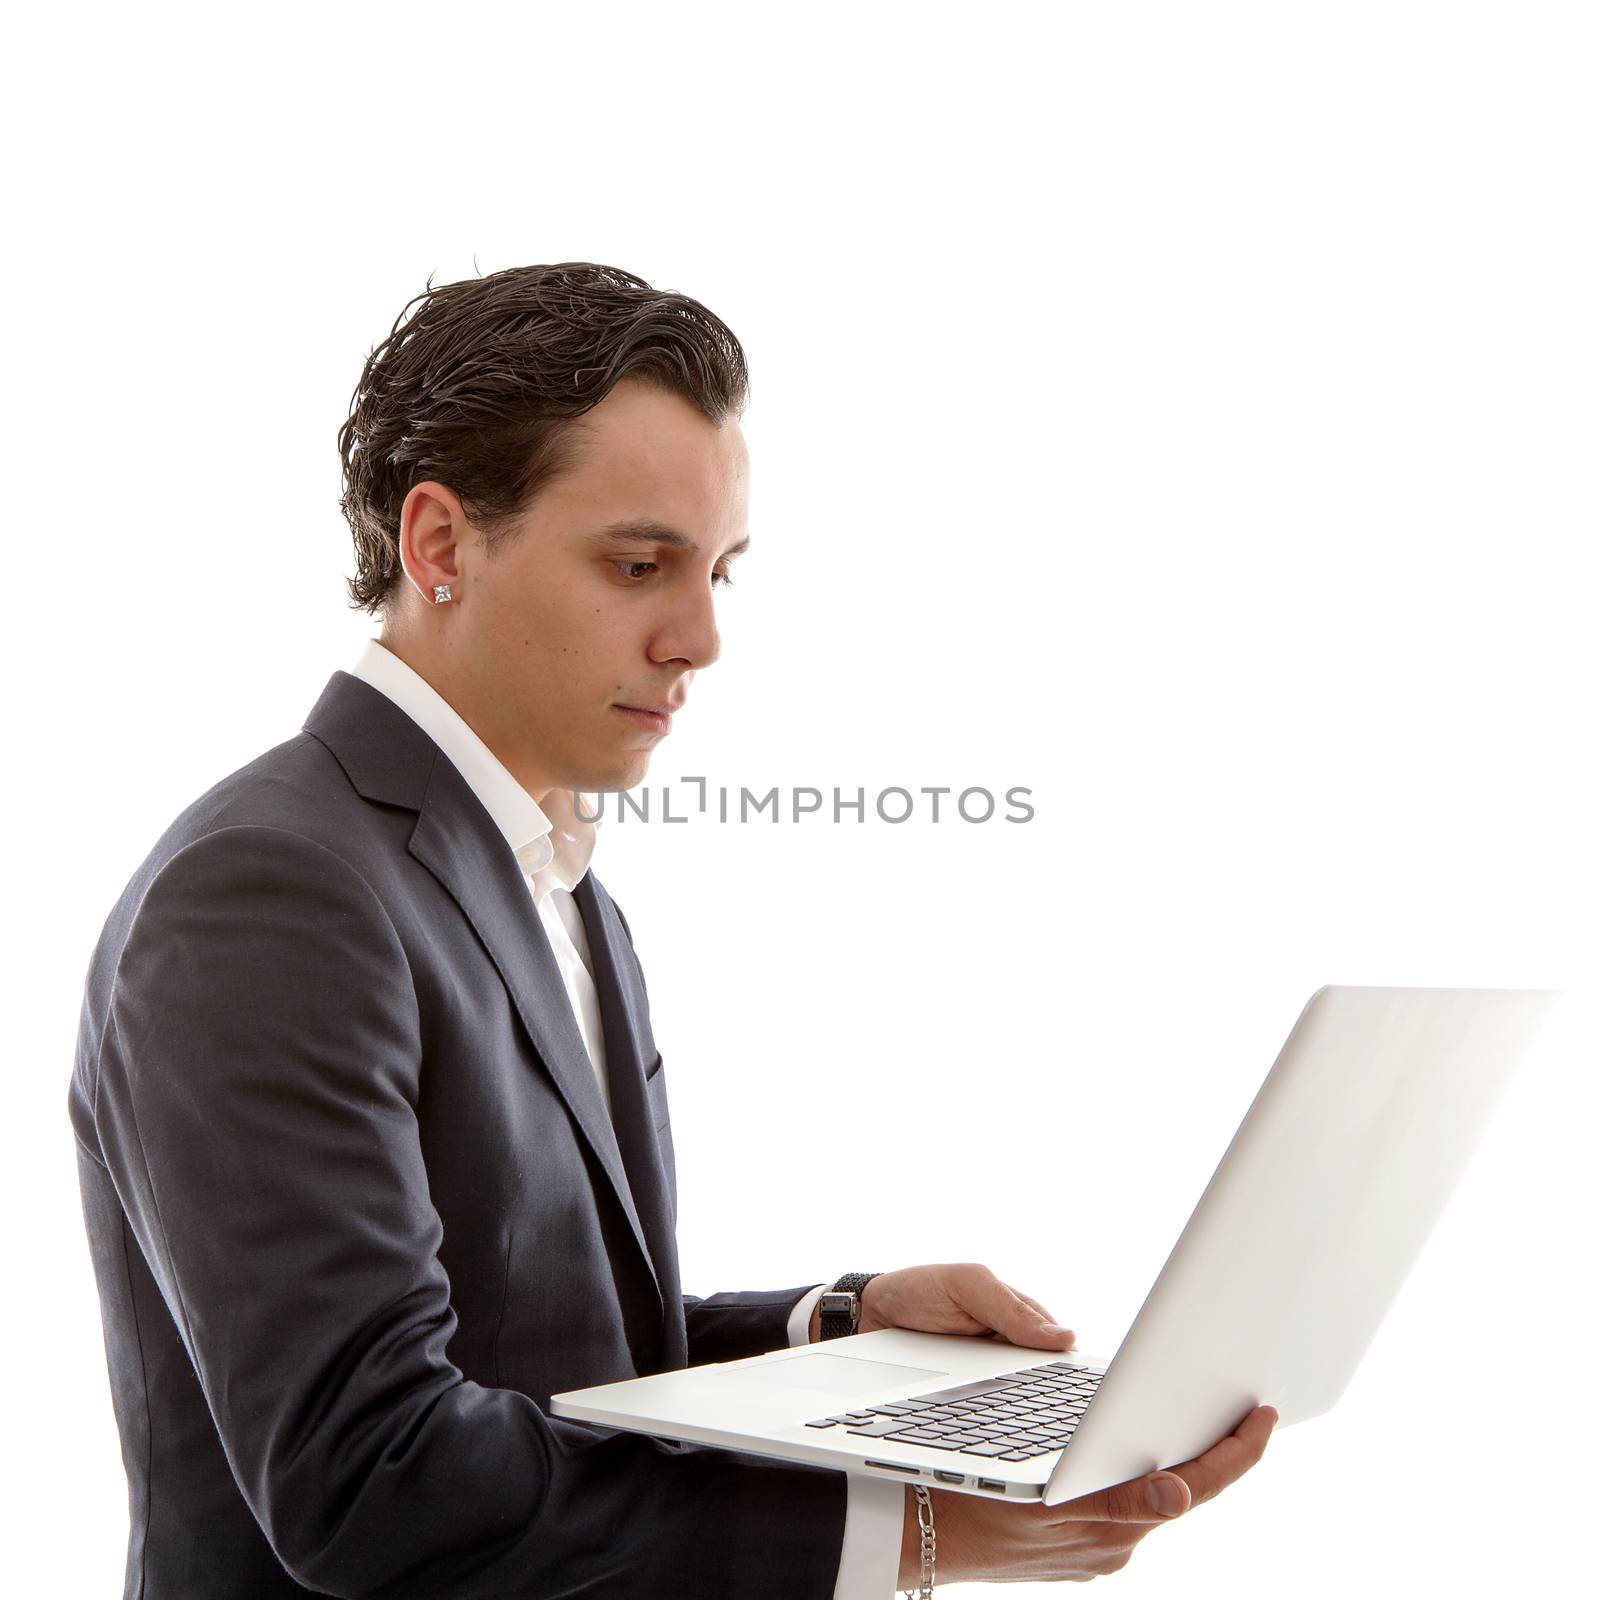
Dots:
{"x": 1021, "y": 1321}
{"x": 1152, "y": 1499}
{"x": 1056, "y": 1336}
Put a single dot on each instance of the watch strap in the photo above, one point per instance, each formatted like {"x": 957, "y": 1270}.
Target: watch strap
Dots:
{"x": 839, "y": 1310}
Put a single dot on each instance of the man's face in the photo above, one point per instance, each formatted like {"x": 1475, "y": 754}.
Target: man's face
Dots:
{"x": 571, "y": 622}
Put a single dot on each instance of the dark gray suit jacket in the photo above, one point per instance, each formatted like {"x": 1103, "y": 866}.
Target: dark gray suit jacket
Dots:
{"x": 356, "y": 1211}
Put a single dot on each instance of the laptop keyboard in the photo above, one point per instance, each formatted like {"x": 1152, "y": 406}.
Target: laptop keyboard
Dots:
{"x": 1014, "y": 1417}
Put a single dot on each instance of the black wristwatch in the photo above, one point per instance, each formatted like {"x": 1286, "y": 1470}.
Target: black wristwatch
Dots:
{"x": 840, "y": 1307}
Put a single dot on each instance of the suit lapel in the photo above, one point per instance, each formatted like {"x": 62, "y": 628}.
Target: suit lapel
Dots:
{"x": 388, "y": 758}
{"x": 621, "y": 1016}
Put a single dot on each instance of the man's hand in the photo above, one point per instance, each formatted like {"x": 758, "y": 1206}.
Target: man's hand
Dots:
{"x": 984, "y": 1541}
{"x": 955, "y": 1299}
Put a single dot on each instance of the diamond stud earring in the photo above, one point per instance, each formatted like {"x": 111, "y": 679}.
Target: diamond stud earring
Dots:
{"x": 441, "y": 593}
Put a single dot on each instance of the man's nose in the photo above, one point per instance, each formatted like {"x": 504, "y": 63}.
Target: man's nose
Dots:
{"x": 693, "y": 636}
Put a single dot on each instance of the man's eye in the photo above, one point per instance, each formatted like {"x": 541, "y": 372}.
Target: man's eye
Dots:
{"x": 638, "y": 570}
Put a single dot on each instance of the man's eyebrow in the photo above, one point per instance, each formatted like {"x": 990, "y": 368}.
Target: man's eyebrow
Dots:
{"x": 658, "y": 533}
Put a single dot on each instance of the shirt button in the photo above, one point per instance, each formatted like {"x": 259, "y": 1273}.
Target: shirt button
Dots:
{"x": 536, "y": 856}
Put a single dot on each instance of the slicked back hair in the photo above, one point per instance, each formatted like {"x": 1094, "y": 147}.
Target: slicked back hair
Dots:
{"x": 477, "y": 383}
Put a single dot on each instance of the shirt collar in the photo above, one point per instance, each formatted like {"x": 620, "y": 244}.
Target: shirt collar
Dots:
{"x": 553, "y": 843}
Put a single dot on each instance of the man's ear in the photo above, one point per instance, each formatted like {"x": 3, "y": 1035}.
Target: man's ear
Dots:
{"x": 433, "y": 526}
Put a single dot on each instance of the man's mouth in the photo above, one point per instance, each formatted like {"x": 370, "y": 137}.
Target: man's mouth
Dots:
{"x": 656, "y": 717}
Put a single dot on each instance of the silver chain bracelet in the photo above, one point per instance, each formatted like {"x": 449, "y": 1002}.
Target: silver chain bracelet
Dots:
{"x": 925, "y": 1524}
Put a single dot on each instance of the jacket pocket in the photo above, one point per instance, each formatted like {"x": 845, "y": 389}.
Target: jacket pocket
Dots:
{"x": 655, "y": 1083}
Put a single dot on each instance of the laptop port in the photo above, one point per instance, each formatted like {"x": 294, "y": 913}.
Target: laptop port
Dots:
{"x": 949, "y": 1477}
{"x": 989, "y": 1483}
{"x": 894, "y": 1466}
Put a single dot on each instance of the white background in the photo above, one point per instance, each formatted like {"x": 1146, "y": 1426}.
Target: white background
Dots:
{"x": 1186, "y": 412}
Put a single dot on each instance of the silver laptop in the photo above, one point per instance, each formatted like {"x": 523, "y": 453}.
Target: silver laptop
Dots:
{"x": 1288, "y": 1264}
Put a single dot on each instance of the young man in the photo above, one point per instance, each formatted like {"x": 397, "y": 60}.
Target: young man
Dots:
{"x": 373, "y": 1135}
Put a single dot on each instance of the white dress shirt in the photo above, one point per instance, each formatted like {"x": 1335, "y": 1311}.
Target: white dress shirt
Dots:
{"x": 554, "y": 844}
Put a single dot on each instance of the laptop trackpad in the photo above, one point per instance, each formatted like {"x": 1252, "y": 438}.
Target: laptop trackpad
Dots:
{"x": 835, "y": 1374}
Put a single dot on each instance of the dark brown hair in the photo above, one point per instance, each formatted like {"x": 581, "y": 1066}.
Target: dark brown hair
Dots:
{"x": 476, "y": 386}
